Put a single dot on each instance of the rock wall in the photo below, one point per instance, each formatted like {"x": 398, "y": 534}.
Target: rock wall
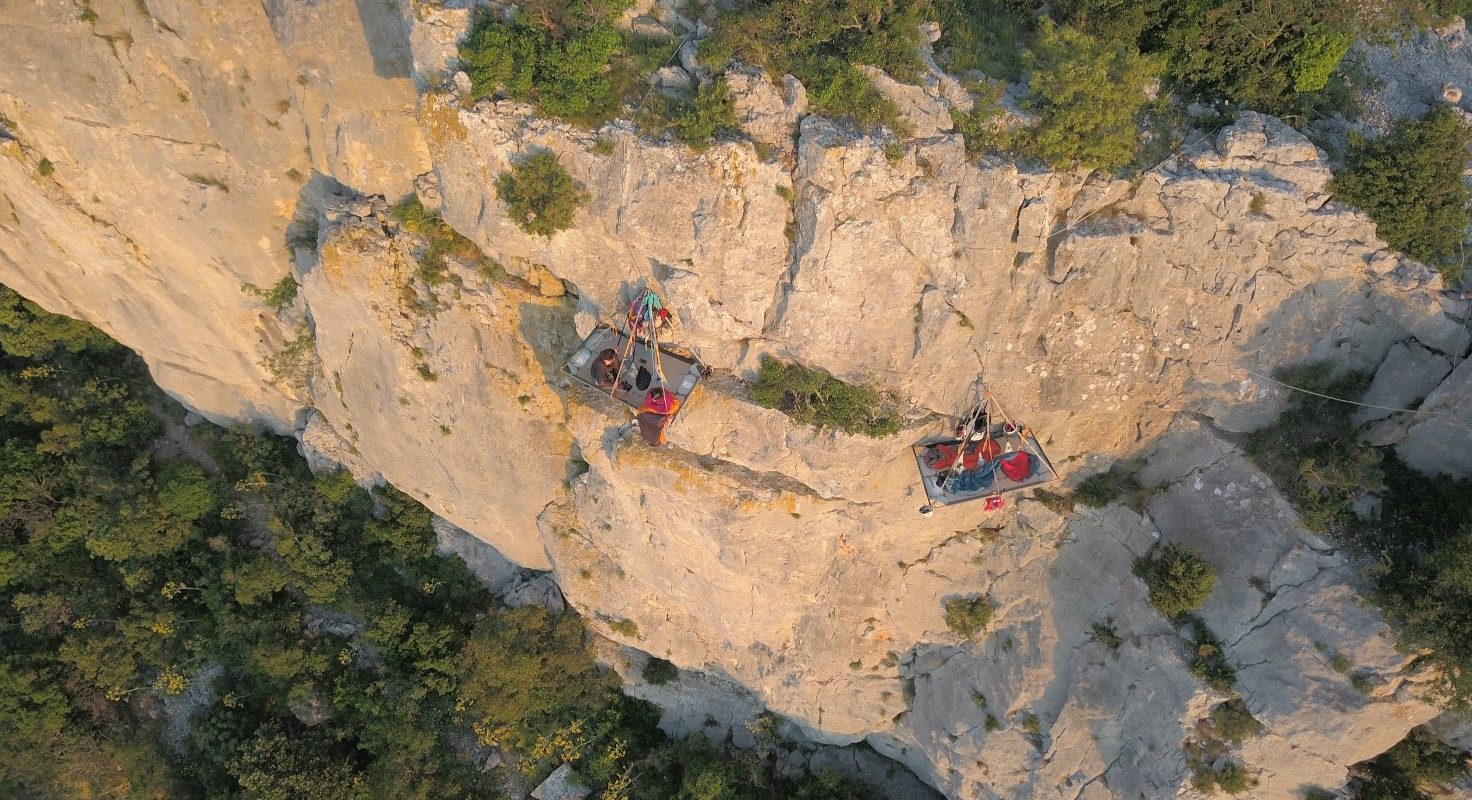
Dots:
{"x": 1121, "y": 318}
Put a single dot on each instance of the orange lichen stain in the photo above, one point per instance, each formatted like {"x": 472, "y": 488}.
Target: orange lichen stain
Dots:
{"x": 440, "y": 120}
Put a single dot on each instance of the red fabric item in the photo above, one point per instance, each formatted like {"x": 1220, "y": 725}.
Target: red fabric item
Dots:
{"x": 940, "y": 456}
{"x": 1017, "y": 466}
{"x": 654, "y": 416}
{"x": 988, "y": 449}
{"x": 661, "y": 403}
{"x": 995, "y": 503}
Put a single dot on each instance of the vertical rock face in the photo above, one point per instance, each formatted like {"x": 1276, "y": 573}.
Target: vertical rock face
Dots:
{"x": 782, "y": 559}
{"x": 178, "y": 142}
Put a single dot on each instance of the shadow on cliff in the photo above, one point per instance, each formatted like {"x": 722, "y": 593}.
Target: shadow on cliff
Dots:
{"x": 1093, "y": 652}
{"x": 387, "y": 35}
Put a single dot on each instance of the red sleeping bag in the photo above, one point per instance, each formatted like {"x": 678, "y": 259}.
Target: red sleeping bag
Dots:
{"x": 942, "y": 456}
{"x": 1017, "y": 466}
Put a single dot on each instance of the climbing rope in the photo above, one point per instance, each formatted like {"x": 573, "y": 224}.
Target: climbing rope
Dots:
{"x": 1424, "y": 412}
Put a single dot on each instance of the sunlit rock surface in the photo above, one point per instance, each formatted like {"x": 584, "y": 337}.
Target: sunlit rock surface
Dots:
{"x": 786, "y": 564}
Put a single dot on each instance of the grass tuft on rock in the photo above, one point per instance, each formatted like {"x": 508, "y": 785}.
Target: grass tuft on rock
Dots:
{"x": 1234, "y": 722}
{"x": 694, "y": 120}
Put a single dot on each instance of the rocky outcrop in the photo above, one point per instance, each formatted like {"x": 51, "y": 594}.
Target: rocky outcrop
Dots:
{"x": 1121, "y": 318}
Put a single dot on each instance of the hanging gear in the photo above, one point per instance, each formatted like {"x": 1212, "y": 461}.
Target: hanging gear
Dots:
{"x": 986, "y": 455}
{"x": 634, "y": 367}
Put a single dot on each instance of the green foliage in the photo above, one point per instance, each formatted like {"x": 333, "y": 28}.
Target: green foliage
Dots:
{"x": 122, "y": 574}
{"x": 1208, "y": 660}
{"x": 694, "y": 121}
{"x": 1097, "y": 491}
{"x": 292, "y": 364}
{"x": 1313, "y": 453}
{"x": 821, "y": 42}
{"x": 440, "y": 241}
{"x": 524, "y": 671}
{"x": 968, "y": 616}
{"x": 657, "y": 671}
{"x": 1419, "y": 543}
{"x": 1410, "y": 183}
{"x": 45, "y": 168}
{"x": 27, "y": 331}
{"x": 1317, "y": 58}
{"x": 1178, "y": 579}
{"x": 1400, "y": 772}
{"x": 985, "y": 35}
{"x": 280, "y": 295}
{"x": 624, "y": 627}
{"x": 540, "y": 195}
{"x": 980, "y": 127}
{"x": 1264, "y": 55}
{"x": 275, "y": 766}
{"x": 817, "y": 398}
{"x": 1233, "y": 778}
{"x": 1234, "y": 722}
{"x": 1088, "y": 94}
{"x": 566, "y": 57}
{"x": 1106, "y": 635}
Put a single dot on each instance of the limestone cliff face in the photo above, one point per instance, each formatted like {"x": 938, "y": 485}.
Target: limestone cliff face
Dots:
{"x": 190, "y": 151}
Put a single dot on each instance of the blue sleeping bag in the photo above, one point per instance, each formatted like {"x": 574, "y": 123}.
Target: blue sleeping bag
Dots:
{"x": 972, "y": 480}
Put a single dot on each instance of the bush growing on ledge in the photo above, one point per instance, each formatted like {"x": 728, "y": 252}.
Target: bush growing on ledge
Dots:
{"x": 278, "y": 297}
{"x": 966, "y": 617}
{"x": 1399, "y": 773}
{"x": 555, "y": 56}
{"x": 1178, "y": 578}
{"x": 1208, "y": 660}
{"x": 441, "y": 241}
{"x": 817, "y": 398}
{"x": 820, "y": 42}
{"x": 1410, "y": 183}
{"x": 540, "y": 196}
{"x": 695, "y": 121}
{"x": 1234, "y": 722}
{"x": 1231, "y": 777}
{"x": 659, "y": 672}
{"x": 1089, "y": 95}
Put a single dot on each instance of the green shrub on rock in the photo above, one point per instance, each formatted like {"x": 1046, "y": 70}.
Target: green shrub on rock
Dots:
{"x": 541, "y": 197}
{"x": 821, "y": 42}
{"x": 558, "y": 62}
{"x": 967, "y": 616}
{"x": 817, "y": 398}
{"x": 659, "y": 672}
{"x": 1178, "y": 578}
{"x": 1088, "y": 94}
{"x": 1234, "y": 722}
{"x": 1410, "y": 183}
{"x": 694, "y": 121}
